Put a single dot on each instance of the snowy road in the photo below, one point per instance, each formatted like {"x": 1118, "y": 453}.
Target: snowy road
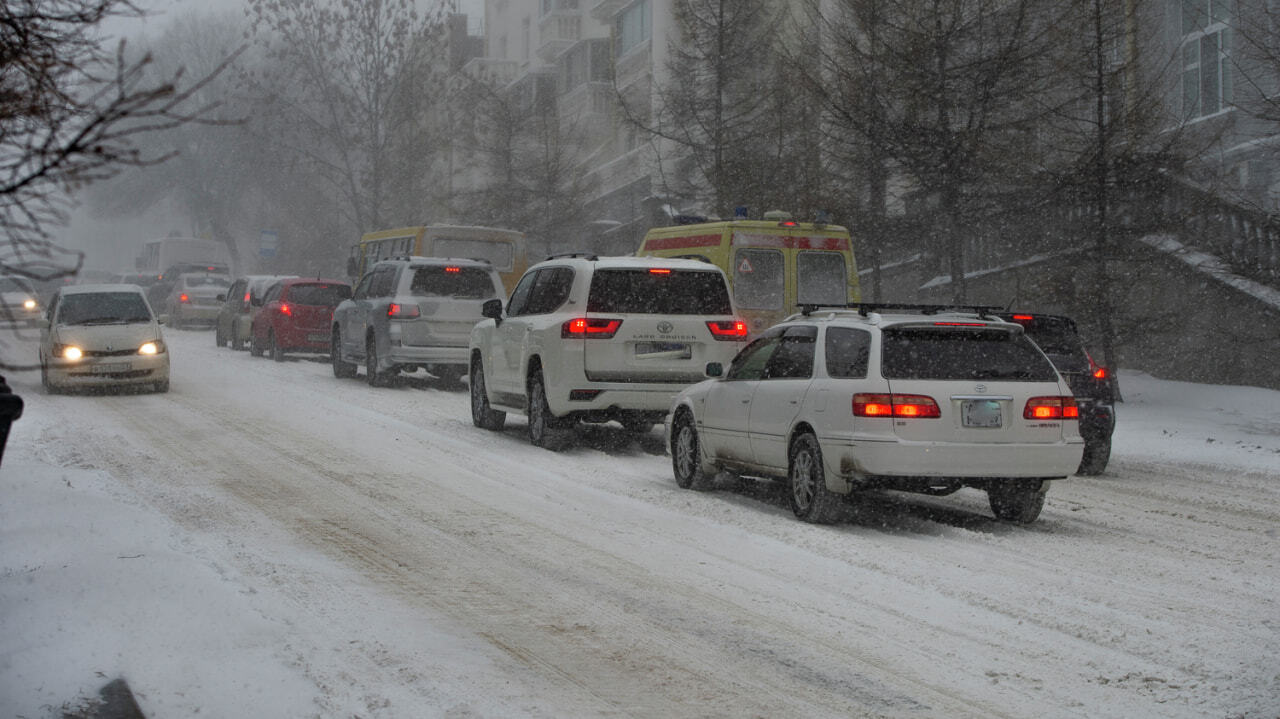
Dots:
{"x": 409, "y": 564}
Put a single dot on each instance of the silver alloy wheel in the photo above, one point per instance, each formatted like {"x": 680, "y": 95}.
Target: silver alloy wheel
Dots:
{"x": 686, "y": 451}
{"x": 802, "y": 479}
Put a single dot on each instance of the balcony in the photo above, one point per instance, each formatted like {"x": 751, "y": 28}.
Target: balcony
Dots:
{"x": 491, "y": 70}
{"x": 558, "y": 30}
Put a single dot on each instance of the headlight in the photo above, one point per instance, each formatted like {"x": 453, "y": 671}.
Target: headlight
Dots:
{"x": 70, "y": 352}
{"x": 30, "y": 304}
{"x": 151, "y": 348}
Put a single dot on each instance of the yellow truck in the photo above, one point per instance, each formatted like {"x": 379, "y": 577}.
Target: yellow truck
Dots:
{"x": 773, "y": 265}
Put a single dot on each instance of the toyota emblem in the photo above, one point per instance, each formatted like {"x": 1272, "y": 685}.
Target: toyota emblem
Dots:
{"x": 665, "y": 328}
{"x": 980, "y": 388}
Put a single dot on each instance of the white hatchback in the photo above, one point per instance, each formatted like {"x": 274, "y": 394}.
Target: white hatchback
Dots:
{"x": 920, "y": 399}
{"x": 102, "y": 336}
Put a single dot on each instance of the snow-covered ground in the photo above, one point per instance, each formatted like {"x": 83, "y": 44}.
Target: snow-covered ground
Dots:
{"x": 268, "y": 541}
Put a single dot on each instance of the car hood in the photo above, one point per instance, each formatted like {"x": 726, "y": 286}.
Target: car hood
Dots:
{"x": 106, "y": 337}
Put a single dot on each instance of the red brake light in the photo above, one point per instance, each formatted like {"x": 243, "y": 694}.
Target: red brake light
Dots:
{"x": 183, "y": 298}
{"x": 284, "y": 310}
{"x": 1022, "y": 318}
{"x": 1051, "y": 408}
{"x": 246, "y": 298}
{"x": 959, "y": 324}
{"x": 788, "y": 223}
{"x": 453, "y": 269}
{"x": 402, "y": 312}
{"x": 659, "y": 271}
{"x": 1100, "y": 372}
{"x": 728, "y": 330}
{"x": 582, "y": 327}
{"x": 916, "y": 406}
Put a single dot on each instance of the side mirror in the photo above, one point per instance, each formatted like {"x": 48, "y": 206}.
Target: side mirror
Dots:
{"x": 222, "y": 298}
{"x": 492, "y": 309}
{"x": 714, "y": 369}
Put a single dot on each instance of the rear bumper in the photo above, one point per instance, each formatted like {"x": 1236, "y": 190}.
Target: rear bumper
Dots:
{"x": 401, "y": 354}
{"x": 303, "y": 340}
{"x": 857, "y": 459}
{"x": 610, "y": 397}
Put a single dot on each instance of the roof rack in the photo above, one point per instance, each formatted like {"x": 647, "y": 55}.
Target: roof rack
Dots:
{"x": 864, "y": 308}
{"x": 562, "y": 255}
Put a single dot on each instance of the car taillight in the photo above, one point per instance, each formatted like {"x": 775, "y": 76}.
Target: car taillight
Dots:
{"x": 1051, "y": 408}
{"x": 728, "y": 330}
{"x": 453, "y": 270}
{"x": 402, "y": 312}
{"x": 246, "y": 298}
{"x": 895, "y": 405}
{"x": 659, "y": 271}
{"x": 590, "y": 328}
{"x": 284, "y": 310}
{"x": 183, "y": 298}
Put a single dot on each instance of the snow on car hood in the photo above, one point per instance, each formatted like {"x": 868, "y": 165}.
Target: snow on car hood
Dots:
{"x": 104, "y": 337}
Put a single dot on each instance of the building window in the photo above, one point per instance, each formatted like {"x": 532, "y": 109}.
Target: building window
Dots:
{"x": 1206, "y": 57}
{"x": 632, "y": 27}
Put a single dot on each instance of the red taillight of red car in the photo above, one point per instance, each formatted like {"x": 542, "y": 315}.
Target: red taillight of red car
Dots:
{"x": 1051, "y": 408}
{"x": 728, "y": 330}
{"x": 284, "y": 310}
{"x": 402, "y": 312}
{"x": 596, "y": 329}
{"x": 915, "y": 406}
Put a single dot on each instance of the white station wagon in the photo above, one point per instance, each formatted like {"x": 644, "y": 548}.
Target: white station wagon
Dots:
{"x": 925, "y": 399}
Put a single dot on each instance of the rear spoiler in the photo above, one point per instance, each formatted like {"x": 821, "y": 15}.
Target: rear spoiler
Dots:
{"x": 865, "y": 308}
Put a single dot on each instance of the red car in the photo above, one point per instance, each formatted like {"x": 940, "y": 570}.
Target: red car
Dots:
{"x": 296, "y": 316}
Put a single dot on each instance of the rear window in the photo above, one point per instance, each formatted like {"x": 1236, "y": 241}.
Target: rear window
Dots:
{"x": 471, "y": 283}
{"x": 321, "y": 294}
{"x": 961, "y": 354}
{"x": 641, "y": 291}
{"x": 206, "y": 281}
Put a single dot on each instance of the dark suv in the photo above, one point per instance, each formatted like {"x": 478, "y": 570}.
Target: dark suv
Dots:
{"x": 1094, "y": 387}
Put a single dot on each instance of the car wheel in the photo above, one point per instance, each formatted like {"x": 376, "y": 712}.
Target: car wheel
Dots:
{"x": 810, "y": 499}
{"x": 341, "y": 370}
{"x": 219, "y": 339}
{"x": 544, "y": 429}
{"x": 274, "y": 348}
{"x": 686, "y": 455}
{"x": 1097, "y": 453}
{"x": 162, "y": 387}
{"x": 237, "y": 342}
{"x": 1017, "y": 500}
{"x": 482, "y": 415}
{"x": 255, "y": 349}
{"x": 49, "y": 387}
{"x": 373, "y": 376}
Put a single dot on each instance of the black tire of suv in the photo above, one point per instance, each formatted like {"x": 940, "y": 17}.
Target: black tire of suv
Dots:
{"x": 482, "y": 415}
{"x": 341, "y": 370}
{"x": 686, "y": 455}
{"x": 373, "y": 376}
{"x": 811, "y": 501}
{"x": 254, "y": 348}
{"x": 1097, "y": 452}
{"x": 274, "y": 348}
{"x": 544, "y": 430}
{"x": 219, "y": 339}
{"x": 1017, "y": 500}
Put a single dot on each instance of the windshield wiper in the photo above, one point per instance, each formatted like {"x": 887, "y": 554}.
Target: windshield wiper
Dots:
{"x": 101, "y": 321}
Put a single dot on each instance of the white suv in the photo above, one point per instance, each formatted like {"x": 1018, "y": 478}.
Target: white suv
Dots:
{"x": 925, "y": 399}
{"x": 595, "y": 339}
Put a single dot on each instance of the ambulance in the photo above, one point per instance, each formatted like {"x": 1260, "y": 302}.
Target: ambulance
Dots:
{"x": 773, "y": 265}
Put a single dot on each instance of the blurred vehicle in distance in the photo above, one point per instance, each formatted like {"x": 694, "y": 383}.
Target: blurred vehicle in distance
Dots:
{"x": 241, "y": 302}
{"x": 95, "y": 336}
{"x": 297, "y": 316}
{"x": 194, "y": 299}
{"x": 19, "y": 305}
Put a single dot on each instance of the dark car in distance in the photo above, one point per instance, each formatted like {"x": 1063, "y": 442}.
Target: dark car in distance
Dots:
{"x": 1094, "y": 386}
{"x": 296, "y": 316}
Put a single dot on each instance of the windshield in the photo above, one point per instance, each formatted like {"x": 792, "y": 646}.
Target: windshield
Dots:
{"x": 102, "y": 308}
{"x": 673, "y": 292}
{"x": 961, "y": 353}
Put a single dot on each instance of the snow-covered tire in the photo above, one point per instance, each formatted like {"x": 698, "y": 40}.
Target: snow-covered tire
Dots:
{"x": 373, "y": 375}
{"x": 237, "y": 342}
{"x": 273, "y": 348}
{"x": 686, "y": 455}
{"x": 1097, "y": 453}
{"x": 161, "y": 387}
{"x": 255, "y": 349}
{"x": 482, "y": 415}
{"x": 811, "y": 501}
{"x": 341, "y": 370}
{"x": 544, "y": 429}
{"x": 1017, "y": 500}
{"x": 219, "y": 339}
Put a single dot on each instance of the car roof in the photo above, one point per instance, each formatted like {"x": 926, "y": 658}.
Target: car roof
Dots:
{"x": 421, "y": 261}
{"x": 312, "y": 280}
{"x": 631, "y": 261}
{"x": 98, "y": 289}
{"x": 835, "y": 315}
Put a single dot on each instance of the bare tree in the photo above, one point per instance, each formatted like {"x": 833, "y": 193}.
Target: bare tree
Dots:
{"x": 71, "y": 113}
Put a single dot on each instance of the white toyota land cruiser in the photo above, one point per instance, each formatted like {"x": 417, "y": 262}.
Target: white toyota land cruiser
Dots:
{"x": 594, "y": 339}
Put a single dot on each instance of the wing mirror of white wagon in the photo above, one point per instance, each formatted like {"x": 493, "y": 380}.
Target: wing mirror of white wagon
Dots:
{"x": 492, "y": 309}
{"x": 714, "y": 369}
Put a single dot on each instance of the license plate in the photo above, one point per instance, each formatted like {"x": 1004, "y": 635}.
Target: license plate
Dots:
{"x": 663, "y": 350}
{"x": 983, "y": 413}
{"x": 111, "y": 368}
{"x": 317, "y": 337}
